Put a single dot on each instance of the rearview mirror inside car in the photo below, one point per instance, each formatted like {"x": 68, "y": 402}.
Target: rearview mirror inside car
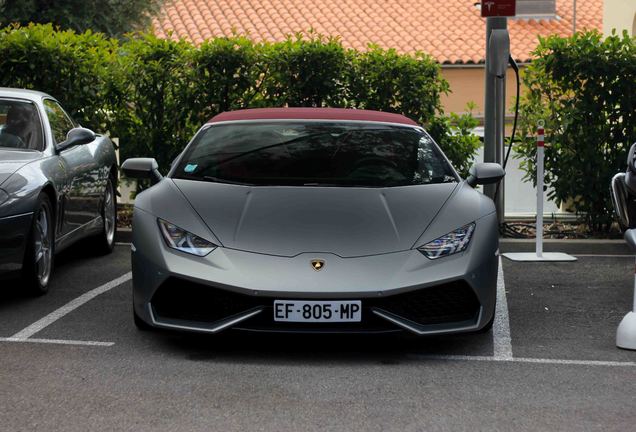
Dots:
{"x": 485, "y": 173}
{"x": 142, "y": 168}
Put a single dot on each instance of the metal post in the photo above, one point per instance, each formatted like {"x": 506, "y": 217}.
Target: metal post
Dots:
{"x": 540, "y": 158}
{"x": 538, "y": 254}
{"x": 500, "y": 133}
{"x": 494, "y": 116}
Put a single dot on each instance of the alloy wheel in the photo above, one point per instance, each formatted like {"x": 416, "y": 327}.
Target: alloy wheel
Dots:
{"x": 109, "y": 213}
{"x": 43, "y": 246}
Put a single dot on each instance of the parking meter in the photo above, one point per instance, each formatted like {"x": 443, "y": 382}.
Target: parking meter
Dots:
{"x": 626, "y": 333}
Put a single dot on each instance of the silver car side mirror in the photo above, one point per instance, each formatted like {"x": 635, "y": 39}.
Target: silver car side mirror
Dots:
{"x": 76, "y": 136}
{"x": 142, "y": 168}
{"x": 630, "y": 238}
{"x": 485, "y": 173}
{"x": 631, "y": 159}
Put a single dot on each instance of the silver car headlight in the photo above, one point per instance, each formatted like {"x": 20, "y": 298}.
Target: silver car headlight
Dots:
{"x": 184, "y": 241}
{"x": 448, "y": 244}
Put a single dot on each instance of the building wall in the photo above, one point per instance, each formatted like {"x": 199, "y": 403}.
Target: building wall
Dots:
{"x": 467, "y": 85}
{"x": 619, "y": 15}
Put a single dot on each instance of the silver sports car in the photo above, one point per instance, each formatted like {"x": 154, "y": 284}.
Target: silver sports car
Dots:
{"x": 313, "y": 220}
{"x": 57, "y": 185}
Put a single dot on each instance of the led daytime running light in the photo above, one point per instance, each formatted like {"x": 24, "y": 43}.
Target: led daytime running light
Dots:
{"x": 454, "y": 242}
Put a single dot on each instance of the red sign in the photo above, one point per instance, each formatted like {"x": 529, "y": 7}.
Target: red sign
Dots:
{"x": 498, "y": 8}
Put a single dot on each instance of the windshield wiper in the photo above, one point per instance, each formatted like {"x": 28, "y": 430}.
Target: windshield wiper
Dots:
{"x": 212, "y": 179}
{"x": 445, "y": 179}
{"x": 225, "y": 181}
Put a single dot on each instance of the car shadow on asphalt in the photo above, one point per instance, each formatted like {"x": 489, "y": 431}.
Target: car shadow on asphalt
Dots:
{"x": 13, "y": 290}
{"x": 261, "y": 348}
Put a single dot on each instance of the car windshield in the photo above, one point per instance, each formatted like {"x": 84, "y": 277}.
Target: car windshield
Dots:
{"x": 298, "y": 153}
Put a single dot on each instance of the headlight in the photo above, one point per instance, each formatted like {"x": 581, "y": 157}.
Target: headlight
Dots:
{"x": 184, "y": 241}
{"x": 453, "y": 242}
{"x": 3, "y": 196}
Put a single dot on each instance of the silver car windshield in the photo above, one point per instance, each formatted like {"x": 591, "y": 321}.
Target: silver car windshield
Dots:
{"x": 314, "y": 154}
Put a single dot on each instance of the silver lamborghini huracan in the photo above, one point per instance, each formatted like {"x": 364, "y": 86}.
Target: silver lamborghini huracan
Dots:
{"x": 313, "y": 220}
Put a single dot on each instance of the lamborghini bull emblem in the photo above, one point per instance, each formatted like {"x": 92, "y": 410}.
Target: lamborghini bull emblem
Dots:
{"x": 317, "y": 264}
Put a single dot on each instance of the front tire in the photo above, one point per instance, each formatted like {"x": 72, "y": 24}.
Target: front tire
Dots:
{"x": 38, "y": 259}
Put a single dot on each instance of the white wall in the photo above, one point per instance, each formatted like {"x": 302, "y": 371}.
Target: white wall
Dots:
{"x": 619, "y": 15}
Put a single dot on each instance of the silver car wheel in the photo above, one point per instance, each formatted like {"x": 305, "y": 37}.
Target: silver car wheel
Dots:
{"x": 42, "y": 246}
{"x": 109, "y": 213}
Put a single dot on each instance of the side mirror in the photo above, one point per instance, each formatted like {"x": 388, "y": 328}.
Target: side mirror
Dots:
{"x": 76, "y": 136}
{"x": 631, "y": 159}
{"x": 485, "y": 173}
{"x": 630, "y": 238}
{"x": 142, "y": 168}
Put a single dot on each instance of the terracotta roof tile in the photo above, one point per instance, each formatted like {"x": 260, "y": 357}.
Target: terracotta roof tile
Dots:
{"x": 452, "y": 31}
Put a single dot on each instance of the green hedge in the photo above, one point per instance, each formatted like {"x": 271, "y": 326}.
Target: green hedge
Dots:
{"x": 227, "y": 73}
{"x": 154, "y": 93}
{"x": 387, "y": 81}
{"x": 151, "y": 98}
{"x": 305, "y": 72}
{"x": 584, "y": 87}
{"x": 69, "y": 66}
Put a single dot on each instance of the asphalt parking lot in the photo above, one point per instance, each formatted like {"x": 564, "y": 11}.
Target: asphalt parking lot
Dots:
{"x": 73, "y": 360}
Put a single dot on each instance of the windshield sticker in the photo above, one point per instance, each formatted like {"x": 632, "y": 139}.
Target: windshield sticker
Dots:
{"x": 190, "y": 168}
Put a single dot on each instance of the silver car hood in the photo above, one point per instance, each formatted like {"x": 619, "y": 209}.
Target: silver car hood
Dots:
{"x": 12, "y": 160}
{"x": 287, "y": 221}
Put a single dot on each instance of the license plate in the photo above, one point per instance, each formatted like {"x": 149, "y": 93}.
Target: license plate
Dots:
{"x": 317, "y": 311}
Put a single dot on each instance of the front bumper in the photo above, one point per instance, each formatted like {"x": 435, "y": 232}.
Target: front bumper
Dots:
{"x": 236, "y": 289}
{"x": 14, "y": 232}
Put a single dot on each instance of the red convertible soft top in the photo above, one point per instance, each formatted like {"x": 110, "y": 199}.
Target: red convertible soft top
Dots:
{"x": 311, "y": 114}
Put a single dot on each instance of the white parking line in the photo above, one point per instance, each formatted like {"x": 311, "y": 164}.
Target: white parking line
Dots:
{"x": 57, "y": 341}
{"x": 524, "y": 360}
{"x": 69, "y": 307}
{"x": 501, "y": 341}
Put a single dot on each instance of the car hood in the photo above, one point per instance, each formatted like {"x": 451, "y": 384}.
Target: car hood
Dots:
{"x": 11, "y": 161}
{"x": 287, "y": 221}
